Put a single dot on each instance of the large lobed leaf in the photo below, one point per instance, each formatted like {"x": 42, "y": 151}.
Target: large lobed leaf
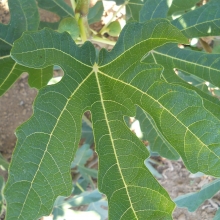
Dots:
{"x": 109, "y": 89}
{"x": 199, "y": 64}
{"x": 24, "y": 16}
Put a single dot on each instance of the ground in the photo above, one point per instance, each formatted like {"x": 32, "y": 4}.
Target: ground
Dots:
{"x": 16, "y": 107}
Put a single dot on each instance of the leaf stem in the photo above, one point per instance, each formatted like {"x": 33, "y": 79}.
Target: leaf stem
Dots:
{"x": 81, "y": 12}
{"x": 82, "y": 28}
{"x": 103, "y": 40}
{"x": 80, "y": 187}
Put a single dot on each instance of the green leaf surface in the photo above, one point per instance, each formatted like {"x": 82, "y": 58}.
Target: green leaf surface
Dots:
{"x": 151, "y": 133}
{"x": 59, "y": 7}
{"x": 180, "y": 5}
{"x": 89, "y": 172}
{"x": 21, "y": 20}
{"x": 114, "y": 28}
{"x": 63, "y": 10}
{"x": 203, "y": 65}
{"x": 2, "y": 202}
{"x": 195, "y": 81}
{"x": 152, "y": 169}
{"x": 69, "y": 25}
{"x": 87, "y": 134}
{"x": 207, "y": 192}
{"x": 3, "y": 163}
{"x": 118, "y": 2}
{"x": 100, "y": 207}
{"x": 217, "y": 215}
{"x": 204, "y": 21}
{"x": 82, "y": 155}
{"x": 169, "y": 56}
{"x": 24, "y": 16}
{"x": 153, "y": 9}
{"x": 79, "y": 185}
{"x": 62, "y": 205}
{"x": 96, "y": 12}
{"x": 87, "y": 85}
{"x": 133, "y": 8}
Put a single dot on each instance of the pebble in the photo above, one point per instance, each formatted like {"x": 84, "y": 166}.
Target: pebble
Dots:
{"x": 182, "y": 217}
{"x": 24, "y": 112}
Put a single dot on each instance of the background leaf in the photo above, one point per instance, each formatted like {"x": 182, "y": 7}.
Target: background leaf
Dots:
{"x": 153, "y": 9}
{"x": 24, "y": 16}
{"x": 96, "y": 12}
{"x": 217, "y": 215}
{"x": 133, "y": 8}
{"x": 207, "y": 192}
{"x": 69, "y": 25}
{"x": 63, "y": 205}
{"x": 166, "y": 56}
{"x": 82, "y": 155}
{"x": 179, "y": 5}
{"x": 203, "y": 21}
{"x": 101, "y": 207}
{"x": 59, "y": 7}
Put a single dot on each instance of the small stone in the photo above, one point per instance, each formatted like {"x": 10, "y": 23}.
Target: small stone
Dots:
{"x": 182, "y": 217}
{"x": 24, "y": 112}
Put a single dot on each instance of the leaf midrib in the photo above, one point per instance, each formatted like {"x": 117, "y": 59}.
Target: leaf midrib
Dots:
{"x": 6, "y": 42}
{"x": 51, "y": 134}
{"x": 136, "y": 45}
{"x": 62, "y": 8}
{"x": 113, "y": 144}
{"x": 8, "y": 75}
{"x": 57, "y": 50}
{"x": 188, "y": 62}
{"x": 3, "y": 57}
{"x": 143, "y": 93}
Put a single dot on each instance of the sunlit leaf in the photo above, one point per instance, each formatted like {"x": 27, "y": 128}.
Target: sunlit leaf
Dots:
{"x": 50, "y": 138}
